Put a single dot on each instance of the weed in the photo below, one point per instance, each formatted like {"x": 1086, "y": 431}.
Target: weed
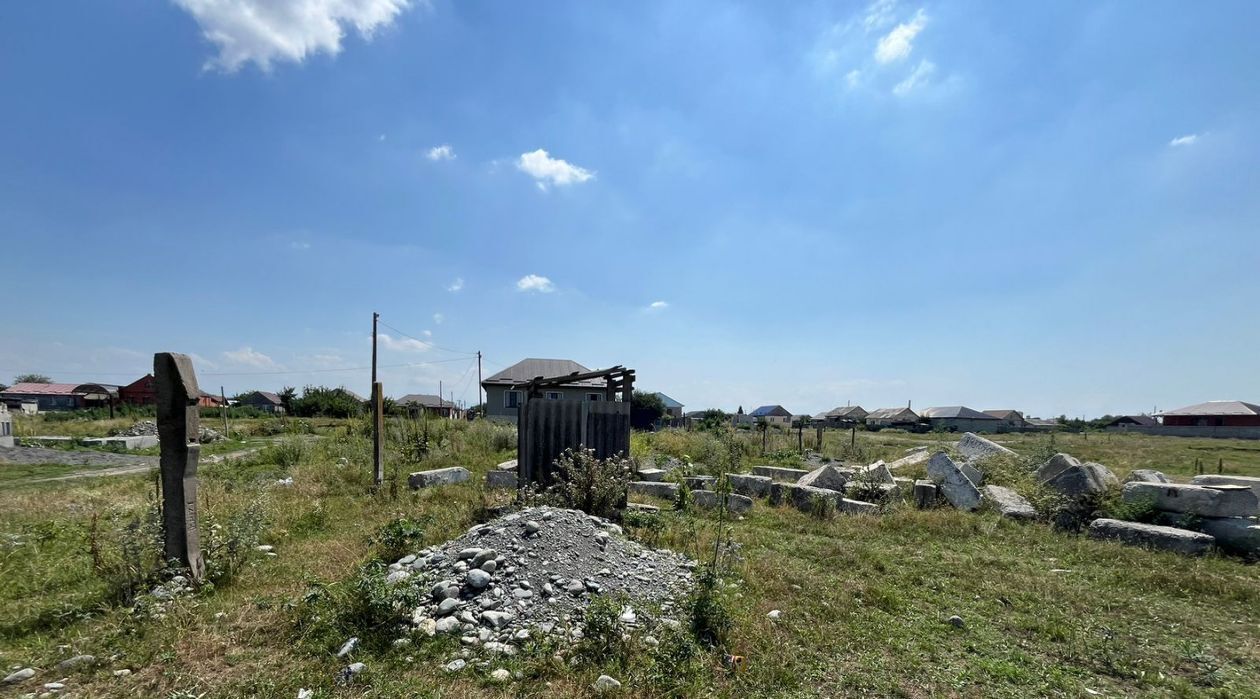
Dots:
{"x": 594, "y": 486}
{"x": 397, "y": 538}
{"x": 711, "y": 619}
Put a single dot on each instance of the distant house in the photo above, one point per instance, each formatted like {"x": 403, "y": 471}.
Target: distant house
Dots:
{"x": 46, "y": 396}
{"x": 1012, "y": 419}
{"x": 1215, "y": 413}
{"x": 1125, "y": 422}
{"x": 503, "y": 401}
{"x": 960, "y": 418}
{"x": 1042, "y": 424}
{"x": 845, "y": 416}
{"x": 6, "y": 426}
{"x": 673, "y": 408}
{"x": 263, "y": 400}
{"x": 139, "y": 392}
{"x": 892, "y": 417}
{"x": 772, "y": 415}
{"x": 428, "y": 404}
{"x": 209, "y": 400}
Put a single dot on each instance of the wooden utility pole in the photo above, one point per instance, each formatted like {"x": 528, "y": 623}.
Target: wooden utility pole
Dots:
{"x": 223, "y": 404}
{"x": 179, "y": 434}
{"x": 480, "y": 401}
{"x": 800, "y": 436}
{"x": 378, "y": 421}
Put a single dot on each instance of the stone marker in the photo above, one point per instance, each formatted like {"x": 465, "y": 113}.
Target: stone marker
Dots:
{"x": 828, "y": 477}
{"x": 1233, "y": 533}
{"x": 509, "y": 465}
{"x": 750, "y": 485}
{"x": 973, "y": 447}
{"x": 952, "y": 482}
{"x": 925, "y": 494}
{"x": 708, "y": 499}
{"x": 1205, "y": 501}
{"x": 438, "y": 476}
{"x": 778, "y": 473}
{"x": 665, "y": 491}
{"x": 500, "y": 479}
{"x": 1146, "y": 475}
{"x": 1249, "y": 481}
{"x": 1010, "y": 503}
{"x": 179, "y": 432}
{"x": 1151, "y": 536}
{"x": 655, "y": 475}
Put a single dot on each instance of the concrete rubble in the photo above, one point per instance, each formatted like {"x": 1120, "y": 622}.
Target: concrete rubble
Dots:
{"x": 807, "y": 498}
{"x": 925, "y": 495}
{"x": 1217, "y": 479}
{"x": 654, "y": 489}
{"x": 1146, "y": 475}
{"x": 1204, "y": 501}
{"x": 973, "y": 447}
{"x": 1010, "y": 503}
{"x": 829, "y": 477}
{"x": 952, "y": 482}
{"x": 1076, "y": 480}
{"x": 1151, "y": 536}
{"x": 710, "y": 500}
{"x": 497, "y": 479}
{"x": 439, "y": 476}
{"x": 750, "y": 485}
{"x": 780, "y": 474}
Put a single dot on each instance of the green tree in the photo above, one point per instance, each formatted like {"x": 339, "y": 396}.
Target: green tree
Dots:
{"x": 288, "y": 395}
{"x": 31, "y": 378}
{"x": 645, "y": 410}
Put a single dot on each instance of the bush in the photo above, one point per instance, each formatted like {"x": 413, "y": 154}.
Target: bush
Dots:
{"x": 397, "y": 538}
{"x": 594, "y": 486}
{"x": 229, "y": 544}
{"x": 711, "y": 619}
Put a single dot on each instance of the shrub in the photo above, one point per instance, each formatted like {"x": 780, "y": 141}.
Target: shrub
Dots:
{"x": 594, "y": 486}
{"x": 711, "y": 619}
{"x": 397, "y": 538}
{"x": 229, "y": 544}
{"x": 126, "y": 551}
{"x": 602, "y": 641}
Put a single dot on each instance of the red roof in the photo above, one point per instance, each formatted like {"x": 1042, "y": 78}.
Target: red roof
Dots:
{"x": 44, "y": 389}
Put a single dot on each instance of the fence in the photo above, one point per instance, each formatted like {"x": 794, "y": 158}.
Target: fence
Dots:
{"x": 547, "y": 427}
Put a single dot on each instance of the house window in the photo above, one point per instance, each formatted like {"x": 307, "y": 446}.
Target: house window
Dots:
{"x": 594, "y": 397}
{"x": 554, "y": 395}
{"x": 511, "y": 399}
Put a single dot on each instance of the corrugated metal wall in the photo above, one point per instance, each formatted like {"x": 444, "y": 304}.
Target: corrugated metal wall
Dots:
{"x": 548, "y": 427}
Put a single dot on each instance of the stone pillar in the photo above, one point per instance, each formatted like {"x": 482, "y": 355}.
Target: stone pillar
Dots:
{"x": 179, "y": 432}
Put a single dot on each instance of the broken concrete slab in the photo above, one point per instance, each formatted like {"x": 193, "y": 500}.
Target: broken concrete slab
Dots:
{"x": 665, "y": 491}
{"x": 509, "y": 465}
{"x": 1068, "y": 476}
{"x": 875, "y": 473}
{"x": 128, "y": 443}
{"x": 710, "y": 500}
{"x": 700, "y": 482}
{"x": 1055, "y": 465}
{"x": 750, "y": 485}
{"x": 778, "y": 473}
{"x": 641, "y": 507}
{"x": 808, "y": 498}
{"x": 952, "y": 482}
{"x": 925, "y": 494}
{"x": 500, "y": 479}
{"x": 1010, "y": 503}
{"x": 973, "y": 447}
{"x": 828, "y": 477}
{"x": 1237, "y": 534}
{"x": 438, "y": 476}
{"x": 653, "y": 475}
{"x": 1218, "y": 479}
{"x": 973, "y": 474}
{"x": 1204, "y": 501}
{"x": 1146, "y": 475}
{"x": 1152, "y": 536}
{"x": 915, "y": 457}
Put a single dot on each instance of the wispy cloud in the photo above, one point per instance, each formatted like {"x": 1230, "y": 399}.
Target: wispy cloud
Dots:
{"x": 1187, "y": 140}
{"x": 919, "y": 77}
{"x": 879, "y": 14}
{"x": 442, "y": 152}
{"x": 456, "y": 285}
{"x": 534, "y": 282}
{"x": 266, "y": 31}
{"x": 548, "y": 170}
{"x": 438, "y": 318}
{"x": 402, "y": 344}
{"x": 898, "y": 43}
{"x": 247, "y": 356}
{"x": 658, "y": 305}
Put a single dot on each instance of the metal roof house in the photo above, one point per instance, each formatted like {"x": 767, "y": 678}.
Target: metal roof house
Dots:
{"x": 1214, "y": 413}
{"x": 428, "y": 404}
{"x": 892, "y": 417}
{"x": 47, "y": 396}
{"x": 263, "y": 400}
{"x": 1125, "y": 422}
{"x": 1013, "y": 418}
{"x": 673, "y": 408}
{"x": 960, "y": 418}
{"x": 504, "y": 398}
{"x": 844, "y": 416}
{"x": 772, "y": 414}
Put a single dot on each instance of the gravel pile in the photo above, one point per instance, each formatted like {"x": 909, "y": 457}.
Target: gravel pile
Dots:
{"x": 148, "y": 428}
{"x": 530, "y": 573}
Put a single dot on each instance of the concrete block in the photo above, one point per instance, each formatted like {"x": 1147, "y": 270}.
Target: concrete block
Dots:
{"x": 778, "y": 473}
{"x": 973, "y": 447}
{"x": 438, "y": 476}
{"x": 805, "y": 498}
{"x": 1055, "y": 465}
{"x": 973, "y": 474}
{"x": 1068, "y": 476}
{"x": 652, "y": 475}
{"x": 1249, "y": 481}
{"x": 1205, "y": 501}
{"x": 952, "y": 482}
{"x": 1010, "y": 503}
{"x": 750, "y": 485}
{"x": 877, "y": 472}
{"x": 1151, "y": 536}
{"x": 641, "y": 507}
{"x": 1236, "y": 534}
{"x": 665, "y": 491}
{"x": 501, "y": 479}
{"x": 1146, "y": 475}
{"x": 925, "y": 494}
{"x": 128, "y": 443}
{"x": 828, "y": 477}
{"x": 710, "y": 500}
{"x": 856, "y": 507}
{"x": 700, "y": 482}
{"x": 509, "y": 465}
{"x": 913, "y": 459}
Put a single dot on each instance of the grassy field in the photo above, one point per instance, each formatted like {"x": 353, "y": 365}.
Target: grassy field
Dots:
{"x": 864, "y": 599}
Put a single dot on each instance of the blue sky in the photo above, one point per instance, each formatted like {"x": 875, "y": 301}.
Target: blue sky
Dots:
{"x": 1044, "y": 207}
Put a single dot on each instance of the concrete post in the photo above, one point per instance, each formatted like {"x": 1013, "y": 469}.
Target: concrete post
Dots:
{"x": 179, "y": 432}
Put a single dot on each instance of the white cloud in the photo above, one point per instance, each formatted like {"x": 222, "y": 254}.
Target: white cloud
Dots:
{"x": 248, "y": 357}
{"x": 879, "y": 14}
{"x": 898, "y": 43}
{"x": 402, "y": 344}
{"x": 918, "y": 78}
{"x": 853, "y": 78}
{"x": 201, "y": 362}
{"x": 1187, "y": 140}
{"x": 658, "y": 305}
{"x": 265, "y": 31}
{"x": 438, "y": 318}
{"x": 533, "y": 282}
{"x": 548, "y": 170}
{"x": 456, "y": 285}
{"x": 442, "y": 152}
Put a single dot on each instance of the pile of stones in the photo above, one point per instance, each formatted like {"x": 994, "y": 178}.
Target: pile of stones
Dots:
{"x": 530, "y": 574}
{"x": 149, "y": 428}
{"x": 1191, "y": 517}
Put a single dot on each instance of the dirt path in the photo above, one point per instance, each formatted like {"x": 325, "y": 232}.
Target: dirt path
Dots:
{"x": 115, "y": 464}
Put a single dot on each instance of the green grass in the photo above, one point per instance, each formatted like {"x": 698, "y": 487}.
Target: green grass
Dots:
{"x": 864, "y": 600}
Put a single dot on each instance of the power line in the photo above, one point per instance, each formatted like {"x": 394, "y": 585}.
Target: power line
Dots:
{"x": 52, "y": 372}
{"x": 427, "y": 343}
